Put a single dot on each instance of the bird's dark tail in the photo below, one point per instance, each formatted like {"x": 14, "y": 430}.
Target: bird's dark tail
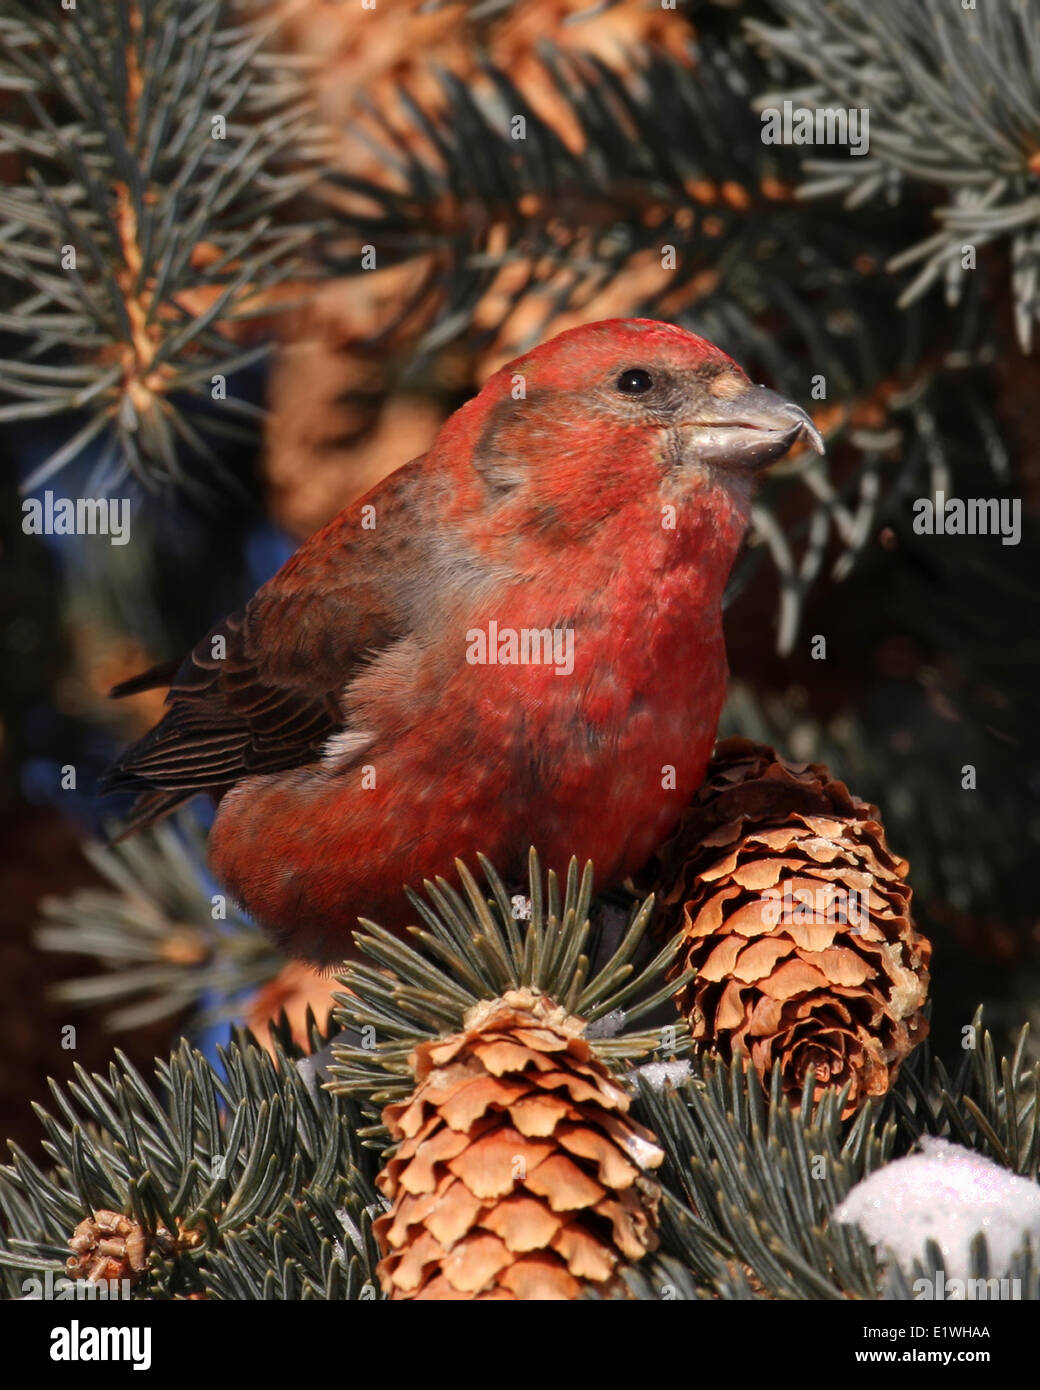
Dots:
{"x": 154, "y": 804}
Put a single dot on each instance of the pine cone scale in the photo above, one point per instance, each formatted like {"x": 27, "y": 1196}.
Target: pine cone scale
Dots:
{"x": 518, "y": 1173}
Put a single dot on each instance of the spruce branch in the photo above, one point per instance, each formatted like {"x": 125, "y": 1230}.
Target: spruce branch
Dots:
{"x": 162, "y": 157}
{"x": 668, "y": 156}
{"x": 952, "y": 99}
{"x": 163, "y": 944}
{"x": 253, "y": 1182}
{"x": 473, "y": 949}
{"x": 668, "y": 194}
{"x": 752, "y": 1177}
{"x": 323, "y": 1248}
{"x": 203, "y": 1154}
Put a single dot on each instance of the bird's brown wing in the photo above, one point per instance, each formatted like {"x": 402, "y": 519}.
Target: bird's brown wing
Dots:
{"x": 261, "y": 691}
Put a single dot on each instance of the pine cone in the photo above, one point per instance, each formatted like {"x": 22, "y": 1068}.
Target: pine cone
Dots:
{"x": 519, "y": 1174}
{"x": 110, "y": 1246}
{"x": 797, "y": 919}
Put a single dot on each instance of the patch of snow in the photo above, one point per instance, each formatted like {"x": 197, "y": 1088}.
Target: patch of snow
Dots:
{"x": 948, "y": 1194}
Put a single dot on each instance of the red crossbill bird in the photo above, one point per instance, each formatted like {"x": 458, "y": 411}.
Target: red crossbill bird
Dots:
{"x": 515, "y": 639}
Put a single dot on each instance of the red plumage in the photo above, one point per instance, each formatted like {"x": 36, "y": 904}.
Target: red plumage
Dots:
{"x": 598, "y": 487}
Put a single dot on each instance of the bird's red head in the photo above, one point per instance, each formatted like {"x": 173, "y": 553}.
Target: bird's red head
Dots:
{"x": 614, "y": 412}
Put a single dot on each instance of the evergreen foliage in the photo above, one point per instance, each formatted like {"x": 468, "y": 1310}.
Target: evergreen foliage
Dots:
{"x": 175, "y": 149}
{"x": 160, "y": 150}
{"x": 266, "y": 1176}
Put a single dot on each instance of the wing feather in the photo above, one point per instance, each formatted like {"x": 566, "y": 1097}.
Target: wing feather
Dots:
{"x": 262, "y": 691}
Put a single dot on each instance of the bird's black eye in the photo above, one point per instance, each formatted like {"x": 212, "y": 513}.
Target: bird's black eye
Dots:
{"x": 633, "y": 381}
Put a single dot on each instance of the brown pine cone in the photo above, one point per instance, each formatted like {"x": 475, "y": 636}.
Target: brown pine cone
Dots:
{"x": 797, "y": 918}
{"x": 111, "y": 1246}
{"x": 518, "y": 1173}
